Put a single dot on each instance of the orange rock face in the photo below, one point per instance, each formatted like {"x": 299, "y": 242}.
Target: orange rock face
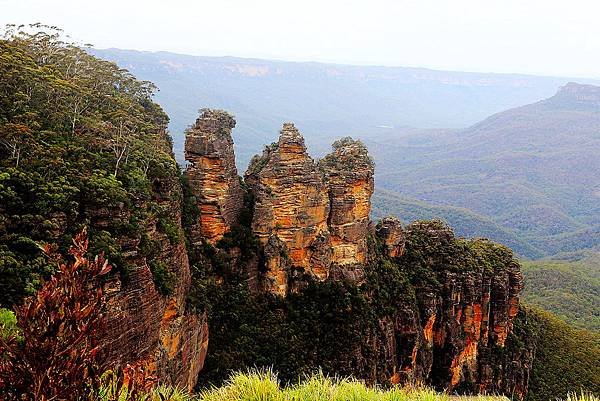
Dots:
{"x": 349, "y": 173}
{"x": 389, "y": 230}
{"x": 143, "y": 325}
{"x": 212, "y": 174}
{"x": 291, "y": 204}
{"x": 318, "y": 214}
{"x": 428, "y": 330}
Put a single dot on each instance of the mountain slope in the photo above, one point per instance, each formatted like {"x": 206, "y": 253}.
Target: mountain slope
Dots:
{"x": 533, "y": 170}
{"x": 569, "y": 289}
{"x": 467, "y": 223}
{"x": 324, "y": 100}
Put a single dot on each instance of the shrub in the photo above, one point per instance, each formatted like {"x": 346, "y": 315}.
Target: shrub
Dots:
{"x": 8, "y": 323}
{"x": 57, "y": 357}
{"x": 162, "y": 277}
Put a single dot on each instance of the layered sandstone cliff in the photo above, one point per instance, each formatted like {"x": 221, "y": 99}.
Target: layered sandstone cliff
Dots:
{"x": 292, "y": 207}
{"x": 349, "y": 174}
{"x": 389, "y": 230}
{"x": 212, "y": 174}
{"x": 464, "y": 311}
{"x": 147, "y": 321}
{"x": 451, "y": 327}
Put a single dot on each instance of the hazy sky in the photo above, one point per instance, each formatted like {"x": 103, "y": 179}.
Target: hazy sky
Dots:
{"x": 531, "y": 36}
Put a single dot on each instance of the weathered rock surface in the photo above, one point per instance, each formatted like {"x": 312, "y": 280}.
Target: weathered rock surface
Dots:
{"x": 460, "y": 323}
{"x": 349, "y": 174}
{"x": 291, "y": 204}
{"x": 212, "y": 174}
{"x": 389, "y": 230}
{"x": 144, "y": 325}
{"x": 452, "y": 329}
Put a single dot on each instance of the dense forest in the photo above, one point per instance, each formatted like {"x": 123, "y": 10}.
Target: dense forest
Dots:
{"x": 77, "y": 134}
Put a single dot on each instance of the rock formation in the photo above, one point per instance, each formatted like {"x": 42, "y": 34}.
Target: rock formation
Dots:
{"x": 212, "y": 174}
{"x": 349, "y": 173}
{"x": 389, "y": 230}
{"x": 291, "y": 204}
{"x": 449, "y": 335}
{"x": 312, "y": 223}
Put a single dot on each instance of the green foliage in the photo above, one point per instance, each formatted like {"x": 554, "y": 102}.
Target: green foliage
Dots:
{"x": 81, "y": 143}
{"x": 580, "y": 396}
{"x": 466, "y": 222}
{"x": 566, "y": 359}
{"x": 264, "y": 385}
{"x": 171, "y": 230}
{"x": 432, "y": 251}
{"x": 315, "y": 327}
{"x": 325, "y": 325}
{"x": 162, "y": 277}
{"x": 570, "y": 290}
{"x": 8, "y": 323}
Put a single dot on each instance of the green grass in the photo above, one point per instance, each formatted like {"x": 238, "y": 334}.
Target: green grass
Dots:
{"x": 263, "y": 385}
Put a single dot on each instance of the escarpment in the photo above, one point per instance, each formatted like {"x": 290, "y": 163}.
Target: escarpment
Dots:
{"x": 467, "y": 293}
{"x": 292, "y": 270}
{"x": 424, "y": 306}
{"x": 147, "y": 319}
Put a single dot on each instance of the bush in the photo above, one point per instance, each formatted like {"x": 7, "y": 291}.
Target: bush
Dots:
{"x": 8, "y": 324}
{"x": 57, "y": 356}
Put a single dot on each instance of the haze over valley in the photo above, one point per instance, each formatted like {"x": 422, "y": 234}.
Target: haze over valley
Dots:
{"x": 464, "y": 147}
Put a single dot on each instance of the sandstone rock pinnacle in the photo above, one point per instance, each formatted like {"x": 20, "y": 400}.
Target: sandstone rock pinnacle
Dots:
{"x": 349, "y": 174}
{"x": 389, "y": 230}
{"x": 291, "y": 203}
{"x": 212, "y": 174}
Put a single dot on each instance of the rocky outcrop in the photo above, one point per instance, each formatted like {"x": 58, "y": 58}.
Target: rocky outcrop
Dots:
{"x": 349, "y": 173}
{"x": 449, "y": 322}
{"x": 212, "y": 174}
{"x": 291, "y": 204}
{"x": 465, "y": 313}
{"x": 389, "y": 230}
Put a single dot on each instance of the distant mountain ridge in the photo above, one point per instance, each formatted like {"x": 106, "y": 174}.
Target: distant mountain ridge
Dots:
{"x": 324, "y": 100}
{"x": 524, "y": 175}
{"x": 533, "y": 170}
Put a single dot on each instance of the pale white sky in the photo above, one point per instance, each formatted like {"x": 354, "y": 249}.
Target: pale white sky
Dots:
{"x": 546, "y": 37}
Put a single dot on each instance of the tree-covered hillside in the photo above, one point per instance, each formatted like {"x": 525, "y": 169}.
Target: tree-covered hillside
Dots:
{"x": 79, "y": 139}
{"x": 83, "y": 144}
{"x": 569, "y": 289}
{"x": 567, "y": 359}
{"x": 324, "y": 100}
{"x": 531, "y": 170}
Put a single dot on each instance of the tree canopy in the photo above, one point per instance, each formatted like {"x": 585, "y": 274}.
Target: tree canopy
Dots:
{"x": 79, "y": 137}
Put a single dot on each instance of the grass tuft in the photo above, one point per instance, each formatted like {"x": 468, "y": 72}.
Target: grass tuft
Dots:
{"x": 263, "y": 385}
